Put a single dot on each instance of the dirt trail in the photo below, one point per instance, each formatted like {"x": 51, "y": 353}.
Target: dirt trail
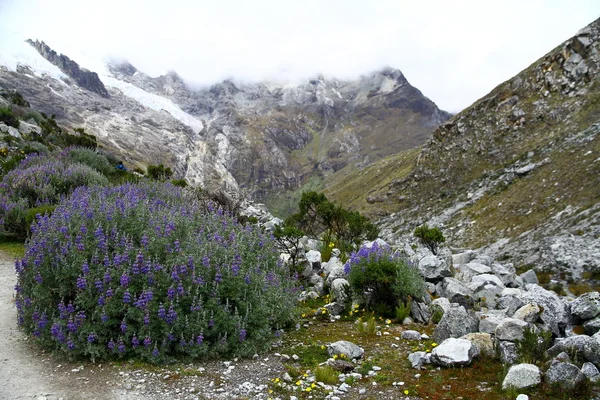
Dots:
{"x": 26, "y": 372}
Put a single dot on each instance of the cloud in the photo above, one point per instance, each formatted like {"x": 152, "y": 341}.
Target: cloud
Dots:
{"x": 453, "y": 51}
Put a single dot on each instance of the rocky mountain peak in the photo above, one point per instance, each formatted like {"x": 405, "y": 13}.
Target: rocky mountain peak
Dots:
{"x": 86, "y": 79}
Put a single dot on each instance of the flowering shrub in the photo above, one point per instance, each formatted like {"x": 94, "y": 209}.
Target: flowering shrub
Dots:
{"x": 37, "y": 181}
{"x": 383, "y": 278}
{"x": 137, "y": 270}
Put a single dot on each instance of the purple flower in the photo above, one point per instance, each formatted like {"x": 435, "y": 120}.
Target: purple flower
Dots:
{"x": 81, "y": 283}
{"x": 155, "y": 352}
{"x": 171, "y": 293}
{"x": 92, "y": 337}
{"x": 111, "y": 344}
{"x": 242, "y": 335}
{"x": 199, "y": 339}
{"x": 124, "y": 280}
{"x": 104, "y": 317}
{"x": 161, "y": 311}
{"x": 135, "y": 342}
{"x": 85, "y": 268}
{"x": 121, "y": 347}
{"x": 126, "y": 297}
{"x": 171, "y": 315}
{"x": 123, "y": 326}
{"x": 70, "y": 344}
{"x": 147, "y": 341}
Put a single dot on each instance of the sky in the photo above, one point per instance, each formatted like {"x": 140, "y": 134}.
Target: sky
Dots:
{"x": 454, "y": 51}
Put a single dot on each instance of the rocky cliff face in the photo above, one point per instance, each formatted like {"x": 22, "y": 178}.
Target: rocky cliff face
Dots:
{"x": 265, "y": 139}
{"x": 84, "y": 78}
{"x": 518, "y": 172}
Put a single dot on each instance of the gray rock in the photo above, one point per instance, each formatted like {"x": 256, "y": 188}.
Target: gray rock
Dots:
{"x": 488, "y": 279}
{"x": 340, "y": 290}
{"x": 420, "y": 312}
{"x": 565, "y": 375}
{"x": 484, "y": 343}
{"x": 335, "y": 308}
{"x": 487, "y": 296}
{"x": 411, "y": 335}
{"x": 434, "y": 269}
{"x": 452, "y": 352}
{"x": 27, "y": 128}
{"x": 554, "y": 312}
{"x": 511, "y": 329}
{"x": 590, "y": 371}
{"x": 507, "y": 352}
{"x": 528, "y": 313}
{"x": 14, "y": 132}
{"x": 522, "y": 376}
{"x": 529, "y": 276}
{"x": 333, "y": 264}
{"x": 586, "y": 306}
{"x": 489, "y": 321}
{"x": 584, "y": 345}
{"x": 441, "y": 302}
{"x": 509, "y": 303}
{"x": 341, "y": 365}
{"x": 308, "y": 295}
{"x": 418, "y": 359}
{"x": 349, "y": 349}
{"x": 455, "y": 323}
{"x": 456, "y": 291}
{"x": 506, "y": 273}
{"x": 463, "y": 258}
{"x": 336, "y": 272}
{"x": 592, "y": 326}
{"x": 466, "y": 272}
{"x": 314, "y": 258}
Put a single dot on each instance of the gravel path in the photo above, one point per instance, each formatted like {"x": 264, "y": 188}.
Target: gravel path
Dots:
{"x": 26, "y": 372}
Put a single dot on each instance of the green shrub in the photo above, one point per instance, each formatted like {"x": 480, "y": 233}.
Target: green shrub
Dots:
{"x": 12, "y": 217}
{"x": 383, "y": 279}
{"x": 368, "y": 327}
{"x": 33, "y": 213}
{"x": 317, "y": 215}
{"x": 40, "y": 180}
{"x": 430, "y": 237}
{"x": 403, "y": 310}
{"x": 532, "y": 348}
{"x": 288, "y": 238}
{"x": 8, "y": 118}
{"x": 141, "y": 271}
{"x": 90, "y": 158}
{"x": 159, "y": 172}
{"x": 179, "y": 182}
{"x": 327, "y": 375}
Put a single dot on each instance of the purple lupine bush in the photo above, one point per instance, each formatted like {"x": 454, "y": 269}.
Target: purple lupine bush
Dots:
{"x": 140, "y": 271}
{"x": 383, "y": 278}
{"x": 41, "y": 180}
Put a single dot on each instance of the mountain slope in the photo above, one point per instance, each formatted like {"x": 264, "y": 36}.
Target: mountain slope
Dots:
{"x": 266, "y": 139}
{"x": 518, "y": 172}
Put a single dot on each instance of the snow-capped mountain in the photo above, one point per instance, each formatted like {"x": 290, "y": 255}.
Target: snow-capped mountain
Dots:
{"x": 262, "y": 138}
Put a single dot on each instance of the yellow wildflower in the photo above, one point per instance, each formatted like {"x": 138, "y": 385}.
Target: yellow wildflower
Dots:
{"x": 388, "y": 321}
{"x": 406, "y": 391}
{"x": 322, "y": 347}
{"x": 298, "y": 383}
{"x": 308, "y": 389}
{"x": 433, "y": 344}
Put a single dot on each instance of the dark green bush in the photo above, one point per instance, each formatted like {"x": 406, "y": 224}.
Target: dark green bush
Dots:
{"x": 179, "y": 182}
{"x": 90, "y": 158}
{"x": 6, "y": 116}
{"x": 141, "y": 271}
{"x": 430, "y": 237}
{"x": 159, "y": 172}
{"x": 345, "y": 228}
{"x": 383, "y": 279}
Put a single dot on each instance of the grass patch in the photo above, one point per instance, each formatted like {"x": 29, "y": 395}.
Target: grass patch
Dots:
{"x": 14, "y": 248}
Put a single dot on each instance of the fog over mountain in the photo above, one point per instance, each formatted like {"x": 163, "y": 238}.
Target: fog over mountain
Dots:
{"x": 455, "y": 52}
